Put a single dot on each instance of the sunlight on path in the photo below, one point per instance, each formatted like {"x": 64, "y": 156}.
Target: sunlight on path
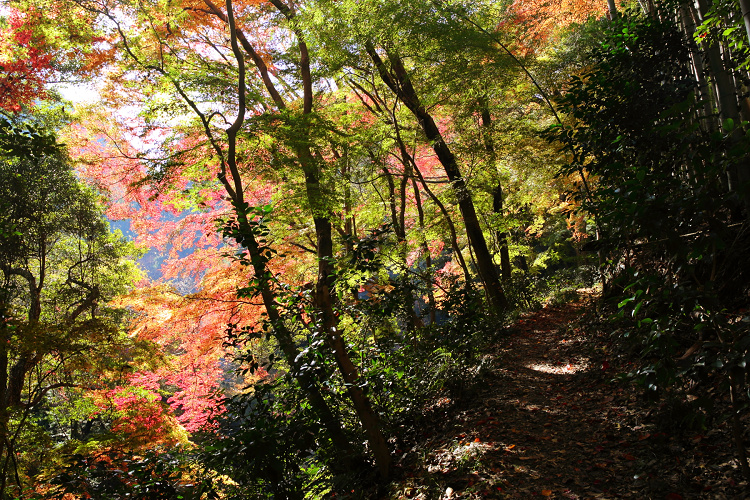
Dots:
{"x": 559, "y": 369}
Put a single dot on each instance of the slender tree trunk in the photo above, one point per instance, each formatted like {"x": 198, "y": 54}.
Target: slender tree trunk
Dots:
{"x": 395, "y": 222}
{"x": 612, "y": 9}
{"x": 400, "y": 84}
{"x": 502, "y": 237}
{"x": 348, "y": 215}
{"x": 728, "y": 104}
{"x": 248, "y": 240}
{"x": 698, "y": 67}
{"x": 745, "y": 7}
{"x": 406, "y": 157}
{"x": 443, "y": 210}
{"x": 399, "y": 224}
{"x": 402, "y": 195}
{"x": 323, "y": 228}
{"x": 330, "y": 422}
{"x": 425, "y": 251}
{"x": 324, "y": 299}
{"x": 497, "y": 193}
{"x": 324, "y": 289}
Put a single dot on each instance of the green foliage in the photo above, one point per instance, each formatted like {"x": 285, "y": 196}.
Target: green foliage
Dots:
{"x": 723, "y": 23}
{"x": 419, "y": 29}
{"x": 634, "y": 130}
{"x": 269, "y": 445}
{"x": 656, "y": 170}
{"x": 284, "y": 450}
{"x": 529, "y": 292}
{"x": 406, "y": 371}
{"x": 26, "y": 140}
{"x": 665, "y": 321}
{"x": 112, "y": 474}
{"x": 568, "y": 56}
{"x": 249, "y": 228}
{"x": 60, "y": 267}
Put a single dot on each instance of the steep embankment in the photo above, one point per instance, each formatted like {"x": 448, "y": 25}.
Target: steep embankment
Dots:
{"x": 547, "y": 421}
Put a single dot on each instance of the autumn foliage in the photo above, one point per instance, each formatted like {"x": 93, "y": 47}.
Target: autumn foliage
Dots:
{"x": 338, "y": 206}
{"x": 25, "y": 62}
{"x": 535, "y": 23}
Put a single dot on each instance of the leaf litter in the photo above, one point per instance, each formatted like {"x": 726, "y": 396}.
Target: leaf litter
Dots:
{"x": 549, "y": 420}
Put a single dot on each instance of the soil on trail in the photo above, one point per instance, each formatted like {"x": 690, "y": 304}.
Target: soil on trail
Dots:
{"x": 548, "y": 421}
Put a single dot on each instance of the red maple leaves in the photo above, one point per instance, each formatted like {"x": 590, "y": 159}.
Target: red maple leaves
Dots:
{"x": 25, "y": 63}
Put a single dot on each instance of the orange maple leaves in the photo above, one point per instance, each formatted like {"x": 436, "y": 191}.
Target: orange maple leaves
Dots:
{"x": 534, "y": 22}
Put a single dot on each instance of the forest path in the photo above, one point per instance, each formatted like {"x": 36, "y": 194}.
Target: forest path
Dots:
{"x": 548, "y": 422}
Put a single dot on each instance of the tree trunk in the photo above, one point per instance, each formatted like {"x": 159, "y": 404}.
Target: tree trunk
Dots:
{"x": 612, "y": 9}
{"x": 446, "y": 215}
{"x": 315, "y": 195}
{"x": 497, "y": 193}
{"x": 728, "y": 106}
{"x": 425, "y": 252}
{"x": 286, "y": 341}
{"x": 349, "y": 224}
{"x": 399, "y": 223}
{"x": 502, "y": 237}
{"x": 400, "y": 84}
{"x": 699, "y": 68}
{"x": 247, "y": 239}
{"x": 324, "y": 292}
{"x": 395, "y": 222}
{"x": 745, "y": 7}
{"x": 324, "y": 302}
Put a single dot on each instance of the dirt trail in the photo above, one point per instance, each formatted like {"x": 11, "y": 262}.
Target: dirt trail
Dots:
{"x": 548, "y": 422}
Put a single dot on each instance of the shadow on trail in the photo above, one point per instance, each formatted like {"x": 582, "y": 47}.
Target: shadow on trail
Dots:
{"x": 548, "y": 423}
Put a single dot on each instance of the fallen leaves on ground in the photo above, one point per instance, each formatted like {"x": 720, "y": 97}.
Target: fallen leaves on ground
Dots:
{"x": 550, "y": 422}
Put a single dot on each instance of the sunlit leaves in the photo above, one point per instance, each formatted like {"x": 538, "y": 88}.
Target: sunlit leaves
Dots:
{"x": 535, "y": 23}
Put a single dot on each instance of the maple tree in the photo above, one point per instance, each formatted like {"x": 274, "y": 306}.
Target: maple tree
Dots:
{"x": 283, "y": 134}
{"x": 534, "y": 24}
{"x": 189, "y": 326}
{"x": 42, "y": 43}
{"x": 26, "y": 66}
{"x": 334, "y": 195}
{"x": 241, "y": 228}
